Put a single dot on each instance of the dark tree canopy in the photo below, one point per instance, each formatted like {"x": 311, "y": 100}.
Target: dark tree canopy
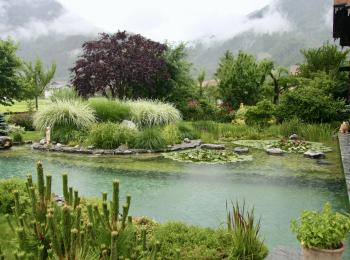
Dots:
{"x": 122, "y": 64}
{"x": 11, "y": 85}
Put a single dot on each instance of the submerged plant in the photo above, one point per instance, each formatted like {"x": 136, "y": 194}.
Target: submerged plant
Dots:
{"x": 247, "y": 244}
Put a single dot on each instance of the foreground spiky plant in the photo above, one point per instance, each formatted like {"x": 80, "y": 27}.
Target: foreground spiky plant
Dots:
{"x": 148, "y": 113}
{"x": 247, "y": 243}
{"x": 47, "y": 230}
{"x": 71, "y": 114}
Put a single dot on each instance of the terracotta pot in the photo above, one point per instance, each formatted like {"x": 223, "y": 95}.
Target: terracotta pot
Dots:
{"x": 322, "y": 254}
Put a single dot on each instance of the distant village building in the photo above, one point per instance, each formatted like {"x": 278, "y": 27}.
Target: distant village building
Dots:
{"x": 294, "y": 70}
{"x": 54, "y": 85}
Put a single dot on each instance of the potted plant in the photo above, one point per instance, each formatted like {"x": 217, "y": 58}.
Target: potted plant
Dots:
{"x": 321, "y": 233}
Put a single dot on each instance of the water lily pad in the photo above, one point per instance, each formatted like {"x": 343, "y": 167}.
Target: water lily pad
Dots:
{"x": 208, "y": 156}
{"x": 288, "y": 146}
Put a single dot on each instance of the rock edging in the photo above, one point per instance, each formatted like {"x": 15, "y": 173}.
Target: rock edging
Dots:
{"x": 81, "y": 150}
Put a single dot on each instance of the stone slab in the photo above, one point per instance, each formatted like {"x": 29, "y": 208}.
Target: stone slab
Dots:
{"x": 344, "y": 144}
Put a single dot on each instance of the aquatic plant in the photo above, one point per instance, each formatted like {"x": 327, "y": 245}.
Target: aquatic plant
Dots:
{"x": 245, "y": 231}
{"x": 207, "y": 156}
{"x": 148, "y": 113}
{"x": 69, "y": 114}
{"x": 150, "y": 138}
{"x": 110, "y": 110}
{"x": 288, "y": 146}
{"x": 46, "y": 229}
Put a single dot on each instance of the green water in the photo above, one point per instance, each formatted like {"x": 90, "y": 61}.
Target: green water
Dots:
{"x": 278, "y": 187}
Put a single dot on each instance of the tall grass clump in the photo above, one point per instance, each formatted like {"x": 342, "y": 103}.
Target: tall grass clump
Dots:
{"x": 187, "y": 130}
{"x": 110, "y": 135}
{"x": 66, "y": 93}
{"x": 150, "y": 138}
{"x": 149, "y": 113}
{"x": 110, "y": 110}
{"x": 172, "y": 134}
{"x": 71, "y": 114}
{"x": 245, "y": 231}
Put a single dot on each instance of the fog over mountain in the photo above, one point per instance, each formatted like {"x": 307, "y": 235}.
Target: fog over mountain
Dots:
{"x": 53, "y": 32}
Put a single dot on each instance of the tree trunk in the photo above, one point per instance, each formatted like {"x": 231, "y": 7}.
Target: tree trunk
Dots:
{"x": 36, "y": 103}
{"x": 349, "y": 90}
{"x": 276, "y": 89}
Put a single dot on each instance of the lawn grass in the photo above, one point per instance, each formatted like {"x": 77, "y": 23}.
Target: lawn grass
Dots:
{"x": 32, "y": 136}
{"x": 21, "y": 106}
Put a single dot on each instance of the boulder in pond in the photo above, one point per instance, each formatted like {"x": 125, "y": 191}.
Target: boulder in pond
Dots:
{"x": 294, "y": 137}
{"x": 5, "y": 142}
{"x": 213, "y": 146}
{"x": 241, "y": 150}
{"x": 274, "y": 151}
{"x": 314, "y": 154}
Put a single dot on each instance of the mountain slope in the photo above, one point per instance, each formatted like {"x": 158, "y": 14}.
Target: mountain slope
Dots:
{"x": 45, "y": 29}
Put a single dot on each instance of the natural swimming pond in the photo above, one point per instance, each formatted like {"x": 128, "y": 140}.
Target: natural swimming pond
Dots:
{"x": 279, "y": 188}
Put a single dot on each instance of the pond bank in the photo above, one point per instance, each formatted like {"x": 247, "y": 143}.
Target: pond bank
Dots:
{"x": 344, "y": 144}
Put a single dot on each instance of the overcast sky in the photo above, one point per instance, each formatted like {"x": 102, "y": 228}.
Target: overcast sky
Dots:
{"x": 180, "y": 20}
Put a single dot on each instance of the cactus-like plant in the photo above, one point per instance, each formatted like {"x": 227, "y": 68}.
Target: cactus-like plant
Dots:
{"x": 48, "y": 230}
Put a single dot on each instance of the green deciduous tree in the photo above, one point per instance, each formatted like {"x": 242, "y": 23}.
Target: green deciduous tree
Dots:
{"x": 11, "y": 85}
{"x": 241, "y": 78}
{"x": 326, "y": 60}
{"x": 37, "y": 78}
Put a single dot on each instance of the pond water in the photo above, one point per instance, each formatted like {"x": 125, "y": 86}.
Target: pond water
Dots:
{"x": 279, "y": 188}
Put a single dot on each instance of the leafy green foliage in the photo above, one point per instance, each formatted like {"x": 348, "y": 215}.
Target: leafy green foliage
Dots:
{"x": 207, "y": 156}
{"x": 37, "y": 78}
{"x": 150, "y": 138}
{"x": 261, "y": 114}
{"x": 11, "y": 84}
{"x": 310, "y": 104}
{"x": 192, "y": 242}
{"x": 23, "y": 119}
{"x": 65, "y": 93}
{"x": 322, "y": 229}
{"x": 241, "y": 78}
{"x": 17, "y": 137}
{"x": 7, "y": 200}
{"x": 110, "y": 110}
{"x": 148, "y": 113}
{"x": 247, "y": 243}
{"x": 111, "y": 136}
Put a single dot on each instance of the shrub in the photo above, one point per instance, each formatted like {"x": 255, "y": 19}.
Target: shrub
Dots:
{"x": 110, "y": 110}
{"x": 24, "y": 120}
{"x": 309, "y": 104}
{"x": 110, "y": 135}
{"x": 200, "y": 110}
{"x": 17, "y": 137}
{"x": 74, "y": 230}
{"x": 325, "y": 229}
{"x": 150, "y": 138}
{"x": 171, "y": 134}
{"x": 261, "y": 114}
{"x": 64, "y": 94}
{"x": 192, "y": 242}
{"x": 148, "y": 113}
{"x": 7, "y": 188}
{"x": 247, "y": 243}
